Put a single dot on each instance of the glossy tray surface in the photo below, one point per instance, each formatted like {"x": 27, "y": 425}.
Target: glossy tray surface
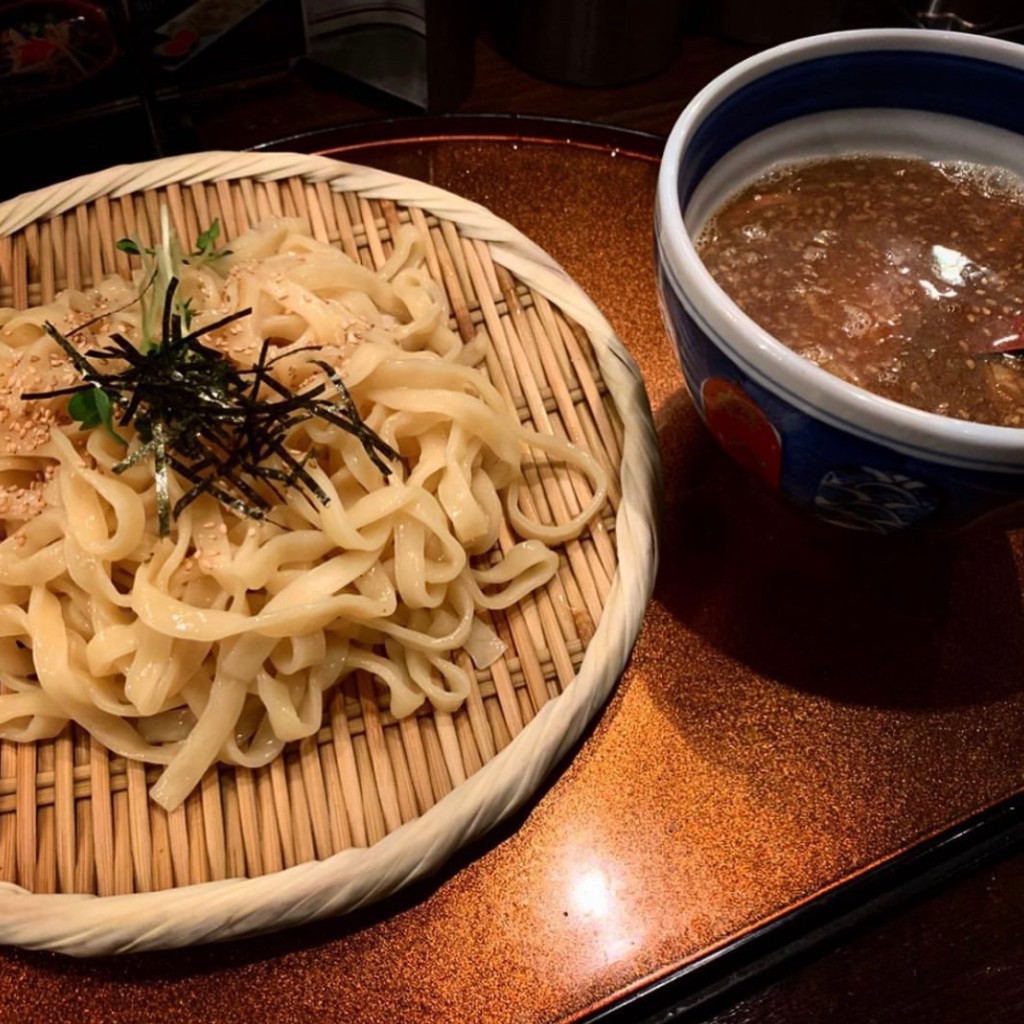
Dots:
{"x": 803, "y": 705}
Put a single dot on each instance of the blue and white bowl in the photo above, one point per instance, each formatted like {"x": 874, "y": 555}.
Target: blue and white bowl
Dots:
{"x": 849, "y": 456}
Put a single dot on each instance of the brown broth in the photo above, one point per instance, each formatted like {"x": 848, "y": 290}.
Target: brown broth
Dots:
{"x": 900, "y": 276}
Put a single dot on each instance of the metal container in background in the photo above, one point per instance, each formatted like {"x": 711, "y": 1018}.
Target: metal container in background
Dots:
{"x": 588, "y": 42}
{"x": 419, "y": 52}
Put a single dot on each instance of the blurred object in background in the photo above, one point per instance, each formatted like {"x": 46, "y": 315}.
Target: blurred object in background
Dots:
{"x": 85, "y": 84}
{"x": 190, "y": 48}
{"x": 69, "y": 98}
{"x": 417, "y": 51}
{"x": 588, "y": 42}
{"x": 204, "y": 54}
{"x": 49, "y": 47}
{"x": 190, "y": 31}
{"x": 1004, "y": 18}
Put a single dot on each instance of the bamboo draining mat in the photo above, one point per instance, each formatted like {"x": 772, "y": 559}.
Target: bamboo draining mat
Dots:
{"x": 75, "y": 819}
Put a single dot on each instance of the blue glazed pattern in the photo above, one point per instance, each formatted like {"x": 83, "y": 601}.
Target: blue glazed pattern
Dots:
{"x": 943, "y": 83}
{"x": 863, "y": 498}
{"x": 818, "y": 459}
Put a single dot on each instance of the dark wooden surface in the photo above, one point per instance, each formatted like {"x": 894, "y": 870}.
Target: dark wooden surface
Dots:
{"x": 952, "y": 958}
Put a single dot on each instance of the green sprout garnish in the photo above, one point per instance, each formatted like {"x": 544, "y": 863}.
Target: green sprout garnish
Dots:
{"x": 222, "y": 428}
{"x": 132, "y": 248}
{"x": 206, "y": 244}
{"x": 93, "y": 407}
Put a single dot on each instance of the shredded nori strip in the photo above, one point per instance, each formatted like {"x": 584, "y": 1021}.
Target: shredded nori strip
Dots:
{"x": 219, "y": 426}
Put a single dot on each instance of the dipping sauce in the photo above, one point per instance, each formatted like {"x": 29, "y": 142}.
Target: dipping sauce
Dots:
{"x": 898, "y": 275}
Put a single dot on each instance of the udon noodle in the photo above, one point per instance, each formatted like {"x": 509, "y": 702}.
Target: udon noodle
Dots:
{"x": 218, "y": 641}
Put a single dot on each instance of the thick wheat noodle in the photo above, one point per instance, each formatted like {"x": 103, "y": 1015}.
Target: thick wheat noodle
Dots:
{"x": 218, "y": 641}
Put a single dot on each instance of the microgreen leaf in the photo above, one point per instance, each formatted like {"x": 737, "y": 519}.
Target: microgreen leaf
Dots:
{"x": 206, "y": 244}
{"x": 130, "y": 246}
{"x": 206, "y": 240}
{"x": 93, "y": 408}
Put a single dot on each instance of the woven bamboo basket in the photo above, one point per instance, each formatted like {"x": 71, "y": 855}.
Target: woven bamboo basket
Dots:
{"x": 88, "y": 864}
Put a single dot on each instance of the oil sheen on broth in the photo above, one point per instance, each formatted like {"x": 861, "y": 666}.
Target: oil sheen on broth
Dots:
{"x": 898, "y": 275}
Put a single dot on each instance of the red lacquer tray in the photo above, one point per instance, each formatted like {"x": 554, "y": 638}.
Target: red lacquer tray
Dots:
{"x": 807, "y": 714}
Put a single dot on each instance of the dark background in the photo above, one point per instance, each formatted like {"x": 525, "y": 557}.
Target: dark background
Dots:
{"x": 630, "y": 64}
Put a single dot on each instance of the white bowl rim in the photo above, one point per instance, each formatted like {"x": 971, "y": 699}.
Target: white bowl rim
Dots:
{"x": 923, "y": 434}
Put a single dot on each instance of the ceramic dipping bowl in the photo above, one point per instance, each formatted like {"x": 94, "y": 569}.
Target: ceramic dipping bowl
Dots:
{"x": 844, "y": 454}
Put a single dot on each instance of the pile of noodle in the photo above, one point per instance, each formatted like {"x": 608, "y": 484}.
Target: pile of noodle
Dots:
{"x": 219, "y": 641}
